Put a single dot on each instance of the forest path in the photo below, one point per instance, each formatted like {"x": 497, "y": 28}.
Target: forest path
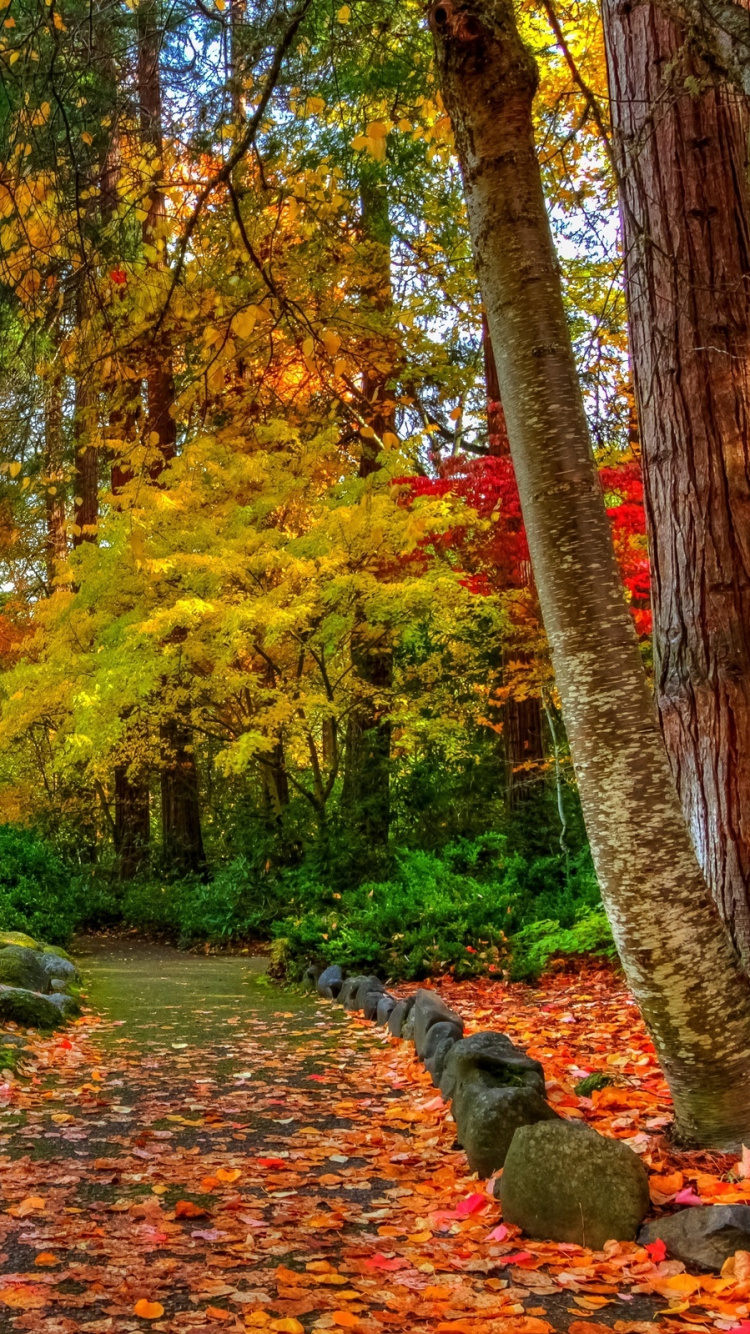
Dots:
{"x": 208, "y": 1151}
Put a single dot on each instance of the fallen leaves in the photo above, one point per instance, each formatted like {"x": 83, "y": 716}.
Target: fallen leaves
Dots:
{"x": 148, "y": 1310}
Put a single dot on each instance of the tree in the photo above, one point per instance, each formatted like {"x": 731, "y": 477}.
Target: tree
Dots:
{"x": 681, "y": 144}
{"x": 676, "y": 954}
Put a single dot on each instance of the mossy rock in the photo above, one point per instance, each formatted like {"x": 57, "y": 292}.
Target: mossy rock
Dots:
{"x": 22, "y": 967}
{"x": 58, "y": 950}
{"x": 30, "y": 1008}
{"x": 17, "y": 938}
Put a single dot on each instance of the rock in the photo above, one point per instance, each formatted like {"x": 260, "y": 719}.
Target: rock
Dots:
{"x": 371, "y": 1003}
{"x": 22, "y": 967}
{"x": 67, "y": 1005}
{"x": 17, "y": 938}
{"x": 349, "y": 989}
{"x": 310, "y": 978}
{"x": 703, "y": 1236}
{"x": 496, "y": 1056}
{"x": 398, "y": 1015}
{"x": 58, "y": 966}
{"x": 31, "y": 1008}
{"x": 440, "y": 1038}
{"x": 490, "y": 1118}
{"x": 365, "y": 988}
{"x": 330, "y": 981}
{"x": 386, "y": 1006}
{"x": 564, "y": 1182}
{"x": 430, "y": 1009}
{"x": 56, "y": 949}
{"x": 407, "y": 1028}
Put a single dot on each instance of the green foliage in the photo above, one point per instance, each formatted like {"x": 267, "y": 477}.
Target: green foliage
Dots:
{"x": 38, "y": 894}
{"x": 537, "y": 943}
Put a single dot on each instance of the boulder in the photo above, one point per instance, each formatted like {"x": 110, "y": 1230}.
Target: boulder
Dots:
{"x": 22, "y": 967}
{"x": 398, "y": 1016}
{"x": 371, "y": 1003}
{"x": 31, "y": 1008}
{"x": 440, "y": 1038}
{"x": 490, "y": 1118}
{"x": 348, "y": 989}
{"x": 430, "y": 1009}
{"x": 67, "y": 1005}
{"x": 499, "y": 1060}
{"x": 56, "y": 949}
{"x": 18, "y": 938}
{"x": 365, "y": 989}
{"x": 564, "y": 1182}
{"x": 330, "y": 981}
{"x": 703, "y": 1236}
{"x": 310, "y": 978}
{"x": 58, "y": 966}
{"x": 407, "y": 1027}
{"x": 386, "y": 1006}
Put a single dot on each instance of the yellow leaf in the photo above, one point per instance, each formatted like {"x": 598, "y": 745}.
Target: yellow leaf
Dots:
{"x": 244, "y": 321}
{"x": 405, "y": 125}
{"x": 344, "y": 14}
{"x": 14, "y": 468}
{"x": 377, "y": 129}
{"x": 228, "y": 1174}
{"x": 308, "y": 347}
{"x": 57, "y": 20}
{"x": 221, "y": 5}
{"x": 390, "y": 440}
{"x": 331, "y": 342}
{"x": 87, "y": 137}
{"x": 257, "y": 1319}
{"x": 148, "y": 1310}
{"x": 314, "y": 105}
{"x": 287, "y": 1325}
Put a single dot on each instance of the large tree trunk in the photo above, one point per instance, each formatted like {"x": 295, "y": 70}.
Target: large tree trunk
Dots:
{"x": 181, "y": 823}
{"x": 682, "y": 151}
{"x": 132, "y": 823}
{"x": 677, "y": 957}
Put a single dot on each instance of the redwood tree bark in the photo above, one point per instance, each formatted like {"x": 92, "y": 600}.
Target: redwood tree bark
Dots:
{"x": 132, "y": 823}
{"x": 682, "y": 156}
{"x": 677, "y": 956}
{"x": 56, "y": 540}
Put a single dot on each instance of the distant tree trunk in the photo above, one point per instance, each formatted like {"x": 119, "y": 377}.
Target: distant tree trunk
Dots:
{"x": 682, "y": 148}
{"x": 523, "y": 734}
{"x": 86, "y": 468}
{"x": 132, "y": 823}
{"x": 677, "y": 956}
{"x": 181, "y": 823}
{"x": 56, "y": 540}
{"x": 368, "y": 734}
{"x": 180, "y": 802}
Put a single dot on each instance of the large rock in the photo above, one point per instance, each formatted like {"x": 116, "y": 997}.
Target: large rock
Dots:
{"x": 31, "y": 1008}
{"x": 490, "y": 1118}
{"x": 330, "y": 981}
{"x": 349, "y": 988}
{"x": 67, "y": 1005}
{"x": 310, "y": 978}
{"x": 386, "y": 1006}
{"x": 57, "y": 966}
{"x": 22, "y": 967}
{"x": 18, "y": 938}
{"x": 365, "y": 989}
{"x": 398, "y": 1016}
{"x": 496, "y": 1057}
{"x": 430, "y": 1009}
{"x": 371, "y": 1002}
{"x": 438, "y": 1043}
{"x": 564, "y": 1182}
{"x": 702, "y": 1236}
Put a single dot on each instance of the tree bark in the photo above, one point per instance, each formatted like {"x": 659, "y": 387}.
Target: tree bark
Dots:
{"x": 683, "y": 165}
{"x": 677, "y": 956}
{"x": 132, "y": 823}
{"x": 182, "y": 839}
{"x": 56, "y": 540}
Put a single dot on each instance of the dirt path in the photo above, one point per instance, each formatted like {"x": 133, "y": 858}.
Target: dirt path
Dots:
{"x": 244, "y": 1159}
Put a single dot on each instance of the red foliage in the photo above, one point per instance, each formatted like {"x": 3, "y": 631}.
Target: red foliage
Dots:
{"x": 488, "y": 485}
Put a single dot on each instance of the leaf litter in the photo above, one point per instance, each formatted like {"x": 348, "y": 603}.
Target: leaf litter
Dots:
{"x": 300, "y": 1174}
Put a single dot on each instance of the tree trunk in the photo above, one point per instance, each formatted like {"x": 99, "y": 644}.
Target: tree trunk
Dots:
{"x": 523, "y": 734}
{"x": 182, "y": 839}
{"x": 677, "y": 957}
{"x": 56, "y": 541}
{"x": 132, "y": 823}
{"x": 86, "y": 474}
{"x": 686, "y": 229}
{"x": 368, "y": 733}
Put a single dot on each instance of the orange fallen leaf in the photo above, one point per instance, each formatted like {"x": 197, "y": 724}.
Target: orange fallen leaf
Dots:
{"x": 148, "y": 1310}
{"x": 228, "y": 1174}
{"x": 288, "y": 1325}
{"x": 666, "y": 1185}
{"x": 186, "y": 1209}
{"x": 587, "y": 1327}
{"x": 30, "y": 1205}
{"x": 257, "y": 1319}
{"x": 209, "y": 1183}
{"x": 24, "y": 1297}
{"x": 218, "y": 1313}
{"x": 345, "y": 1319}
{"x": 46, "y": 1258}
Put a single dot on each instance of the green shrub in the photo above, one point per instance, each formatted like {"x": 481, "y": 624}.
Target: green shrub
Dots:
{"x": 535, "y": 945}
{"x": 38, "y": 893}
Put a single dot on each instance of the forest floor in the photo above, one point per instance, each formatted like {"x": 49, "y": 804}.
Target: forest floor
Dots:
{"x": 248, "y": 1159}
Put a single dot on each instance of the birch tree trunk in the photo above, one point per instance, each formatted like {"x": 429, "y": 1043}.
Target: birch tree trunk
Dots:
{"x": 677, "y": 956}
{"x": 681, "y": 142}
